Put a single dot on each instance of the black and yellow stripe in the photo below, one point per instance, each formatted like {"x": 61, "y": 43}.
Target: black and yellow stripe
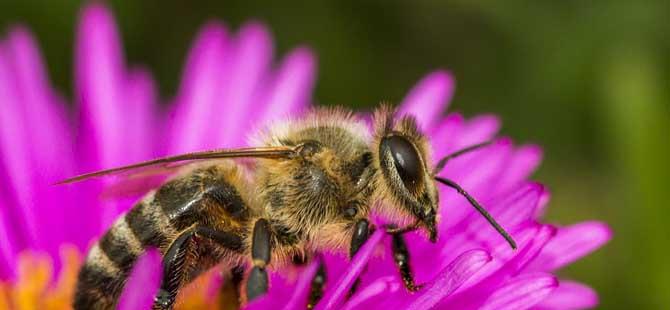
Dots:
{"x": 202, "y": 198}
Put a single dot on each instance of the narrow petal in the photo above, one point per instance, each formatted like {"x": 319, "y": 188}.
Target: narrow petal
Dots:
{"x": 506, "y": 264}
{"x": 250, "y": 62}
{"x": 200, "y": 88}
{"x": 429, "y": 98}
{"x": 39, "y": 105}
{"x": 292, "y": 86}
{"x": 141, "y": 135}
{"x": 143, "y": 283}
{"x": 301, "y": 290}
{"x": 8, "y": 247}
{"x": 100, "y": 83}
{"x": 374, "y": 293}
{"x": 335, "y": 295}
{"x": 477, "y": 130}
{"x": 569, "y": 296}
{"x": 48, "y": 140}
{"x": 521, "y": 164}
{"x": 522, "y": 292}
{"x": 571, "y": 243}
{"x": 476, "y": 172}
{"x": 443, "y": 137}
{"x": 450, "y": 279}
{"x": 511, "y": 212}
{"x": 16, "y": 159}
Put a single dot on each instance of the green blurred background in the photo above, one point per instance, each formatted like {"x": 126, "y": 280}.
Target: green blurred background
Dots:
{"x": 587, "y": 80}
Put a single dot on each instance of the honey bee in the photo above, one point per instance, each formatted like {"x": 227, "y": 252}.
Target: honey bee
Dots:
{"x": 309, "y": 186}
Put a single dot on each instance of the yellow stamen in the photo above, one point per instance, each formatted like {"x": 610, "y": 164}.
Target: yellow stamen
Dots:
{"x": 35, "y": 287}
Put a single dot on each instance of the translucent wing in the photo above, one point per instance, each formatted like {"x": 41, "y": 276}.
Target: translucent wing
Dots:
{"x": 165, "y": 164}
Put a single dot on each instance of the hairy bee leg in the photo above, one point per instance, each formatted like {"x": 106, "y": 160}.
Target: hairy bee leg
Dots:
{"x": 257, "y": 283}
{"x": 175, "y": 259}
{"x": 316, "y": 289}
{"x": 402, "y": 261}
{"x": 229, "y": 294}
{"x": 361, "y": 234}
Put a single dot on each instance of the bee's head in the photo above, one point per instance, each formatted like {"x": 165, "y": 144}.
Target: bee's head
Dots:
{"x": 405, "y": 183}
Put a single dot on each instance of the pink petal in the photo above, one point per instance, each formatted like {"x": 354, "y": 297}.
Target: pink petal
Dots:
{"x": 290, "y": 92}
{"x": 39, "y": 106}
{"x": 140, "y": 131}
{"x": 571, "y": 243}
{"x": 510, "y": 211}
{"x": 479, "y": 129}
{"x": 477, "y": 172}
{"x": 569, "y": 296}
{"x": 522, "y": 163}
{"x": 143, "y": 282}
{"x": 335, "y": 295}
{"x": 522, "y": 292}
{"x": 443, "y": 137}
{"x": 429, "y": 98}
{"x": 190, "y": 120}
{"x": 449, "y": 279}
{"x": 516, "y": 210}
{"x": 542, "y": 204}
{"x": 302, "y": 288}
{"x": 8, "y": 247}
{"x": 48, "y": 140}
{"x": 375, "y": 293}
{"x": 100, "y": 83}
{"x": 238, "y": 111}
{"x": 16, "y": 158}
{"x": 506, "y": 264}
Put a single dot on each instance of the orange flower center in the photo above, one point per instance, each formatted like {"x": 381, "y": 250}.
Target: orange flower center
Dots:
{"x": 35, "y": 286}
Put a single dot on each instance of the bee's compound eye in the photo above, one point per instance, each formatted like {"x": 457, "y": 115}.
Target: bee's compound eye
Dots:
{"x": 405, "y": 159}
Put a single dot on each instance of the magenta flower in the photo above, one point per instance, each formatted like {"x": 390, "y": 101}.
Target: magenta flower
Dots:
{"x": 231, "y": 86}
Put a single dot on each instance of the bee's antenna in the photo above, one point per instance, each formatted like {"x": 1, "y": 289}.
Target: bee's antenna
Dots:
{"x": 479, "y": 208}
{"x": 442, "y": 162}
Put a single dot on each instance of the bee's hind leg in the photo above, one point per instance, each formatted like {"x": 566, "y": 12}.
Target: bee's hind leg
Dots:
{"x": 316, "y": 288}
{"x": 175, "y": 260}
{"x": 257, "y": 283}
{"x": 229, "y": 293}
{"x": 362, "y": 230}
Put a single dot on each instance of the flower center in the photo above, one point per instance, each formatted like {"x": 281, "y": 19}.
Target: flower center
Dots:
{"x": 36, "y": 287}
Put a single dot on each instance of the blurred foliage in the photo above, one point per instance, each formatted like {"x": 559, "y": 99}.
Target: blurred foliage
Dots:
{"x": 587, "y": 80}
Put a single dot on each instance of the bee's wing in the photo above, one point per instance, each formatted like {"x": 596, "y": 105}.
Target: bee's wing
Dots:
{"x": 166, "y": 164}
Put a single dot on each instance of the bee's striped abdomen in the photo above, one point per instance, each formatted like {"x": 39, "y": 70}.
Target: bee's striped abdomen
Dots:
{"x": 111, "y": 259}
{"x": 206, "y": 197}
{"x": 99, "y": 282}
{"x": 121, "y": 245}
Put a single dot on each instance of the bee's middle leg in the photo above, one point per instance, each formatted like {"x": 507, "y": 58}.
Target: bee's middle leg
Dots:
{"x": 261, "y": 247}
{"x": 361, "y": 234}
{"x": 174, "y": 260}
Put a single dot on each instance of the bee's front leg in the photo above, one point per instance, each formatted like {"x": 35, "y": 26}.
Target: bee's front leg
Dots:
{"x": 257, "y": 283}
{"x": 401, "y": 258}
{"x": 175, "y": 260}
